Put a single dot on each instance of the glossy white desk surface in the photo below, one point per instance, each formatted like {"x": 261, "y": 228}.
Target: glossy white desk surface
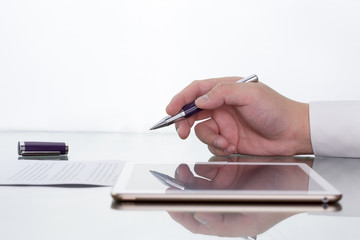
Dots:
{"x": 86, "y": 213}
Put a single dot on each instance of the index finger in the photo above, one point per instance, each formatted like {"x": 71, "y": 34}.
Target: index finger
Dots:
{"x": 193, "y": 91}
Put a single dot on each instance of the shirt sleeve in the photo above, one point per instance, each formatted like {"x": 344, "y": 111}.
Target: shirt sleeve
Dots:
{"x": 335, "y": 128}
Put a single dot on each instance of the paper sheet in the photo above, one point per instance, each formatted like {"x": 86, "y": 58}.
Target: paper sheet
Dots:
{"x": 26, "y": 172}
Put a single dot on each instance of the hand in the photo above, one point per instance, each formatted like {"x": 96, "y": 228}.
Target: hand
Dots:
{"x": 244, "y": 118}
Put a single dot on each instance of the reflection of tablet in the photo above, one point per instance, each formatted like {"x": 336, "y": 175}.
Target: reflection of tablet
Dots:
{"x": 227, "y": 207}
{"x": 224, "y": 182}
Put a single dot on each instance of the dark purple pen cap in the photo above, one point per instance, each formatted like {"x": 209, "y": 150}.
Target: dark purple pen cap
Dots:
{"x": 42, "y": 148}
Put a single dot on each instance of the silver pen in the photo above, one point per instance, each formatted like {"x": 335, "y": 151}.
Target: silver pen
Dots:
{"x": 190, "y": 109}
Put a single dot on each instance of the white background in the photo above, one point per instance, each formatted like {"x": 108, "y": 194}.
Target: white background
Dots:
{"x": 82, "y": 65}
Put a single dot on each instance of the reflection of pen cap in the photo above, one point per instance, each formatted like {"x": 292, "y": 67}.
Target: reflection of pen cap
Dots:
{"x": 42, "y": 148}
{"x": 44, "y": 157}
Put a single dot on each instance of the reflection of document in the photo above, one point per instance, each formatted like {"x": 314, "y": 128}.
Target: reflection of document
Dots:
{"x": 99, "y": 173}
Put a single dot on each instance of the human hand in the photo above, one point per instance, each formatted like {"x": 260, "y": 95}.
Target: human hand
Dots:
{"x": 245, "y": 118}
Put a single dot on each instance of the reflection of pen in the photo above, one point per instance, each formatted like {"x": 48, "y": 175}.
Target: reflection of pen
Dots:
{"x": 190, "y": 109}
{"x": 168, "y": 181}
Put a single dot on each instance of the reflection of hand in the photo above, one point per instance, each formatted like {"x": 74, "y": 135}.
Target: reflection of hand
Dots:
{"x": 228, "y": 224}
{"x": 222, "y": 176}
{"x": 246, "y": 118}
{"x": 242, "y": 177}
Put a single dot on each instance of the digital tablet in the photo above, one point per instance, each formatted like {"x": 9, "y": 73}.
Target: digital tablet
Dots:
{"x": 211, "y": 182}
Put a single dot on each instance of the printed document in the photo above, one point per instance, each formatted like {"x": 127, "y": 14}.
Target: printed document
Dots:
{"x": 26, "y": 172}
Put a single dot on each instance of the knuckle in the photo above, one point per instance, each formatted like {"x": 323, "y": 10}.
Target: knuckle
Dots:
{"x": 257, "y": 91}
{"x": 221, "y": 87}
{"x": 195, "y": 82}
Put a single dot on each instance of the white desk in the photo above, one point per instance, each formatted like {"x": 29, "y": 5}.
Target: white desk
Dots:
{"x": 86, "y": 213}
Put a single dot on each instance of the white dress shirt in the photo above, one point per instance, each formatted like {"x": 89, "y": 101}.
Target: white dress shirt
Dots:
{"x": 335, "y": 128}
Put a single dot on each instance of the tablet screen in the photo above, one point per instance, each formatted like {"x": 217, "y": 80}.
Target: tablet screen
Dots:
{"x": 223, "y": 181}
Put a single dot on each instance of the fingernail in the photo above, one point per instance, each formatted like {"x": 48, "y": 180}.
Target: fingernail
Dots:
{"x": 218, "y": 143}
{"x": 202, "y": 99}
{"x": 231, "y": 149}
{"x": 200, "y": 219}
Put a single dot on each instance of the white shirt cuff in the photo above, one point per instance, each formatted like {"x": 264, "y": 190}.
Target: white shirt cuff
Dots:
{"x": 335, "y": 128}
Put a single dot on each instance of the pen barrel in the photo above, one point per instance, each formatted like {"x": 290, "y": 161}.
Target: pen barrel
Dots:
{"x": 42, "y": 148}
{"x": 251, "y": 78}
{"x": 190, "y": 109}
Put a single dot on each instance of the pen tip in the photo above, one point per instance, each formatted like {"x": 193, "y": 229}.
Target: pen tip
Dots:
{"x": 164, "y": 122}
{"x": 157, "y": 126}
